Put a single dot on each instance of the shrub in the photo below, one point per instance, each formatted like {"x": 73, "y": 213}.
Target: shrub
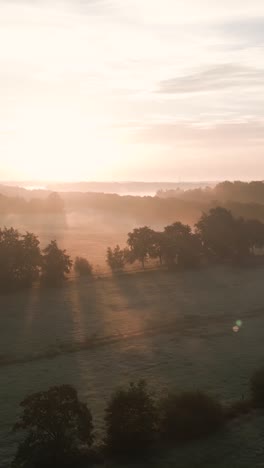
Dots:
{"x": 257, "y": 388}
{"x": 82, "y": 267}
{"x": 115, "y": 258}
{"x": 189, "y": 415}
{"x": 131, "y": 421}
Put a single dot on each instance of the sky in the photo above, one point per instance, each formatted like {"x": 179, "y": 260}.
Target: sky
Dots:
{"x": 131, "y": 90}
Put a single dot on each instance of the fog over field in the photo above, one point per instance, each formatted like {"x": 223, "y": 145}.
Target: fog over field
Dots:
{"x": 170, "y": 329}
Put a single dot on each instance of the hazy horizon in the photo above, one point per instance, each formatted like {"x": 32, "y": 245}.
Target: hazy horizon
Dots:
{"x": 152, "y": 90}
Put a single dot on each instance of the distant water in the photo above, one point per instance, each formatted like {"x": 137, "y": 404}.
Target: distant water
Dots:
{"x": 136, "y": 189}
{"x": 140, "y": 193}
{"x": 34, "y": 187}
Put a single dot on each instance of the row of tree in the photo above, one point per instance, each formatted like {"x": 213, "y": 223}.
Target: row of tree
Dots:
{"x": 217, "y": 237}
{"x": 52, "y": 203}
{"x": 59, "y": 430}
{"x": 22, "y": 260}
{"x": 237, "y": 191}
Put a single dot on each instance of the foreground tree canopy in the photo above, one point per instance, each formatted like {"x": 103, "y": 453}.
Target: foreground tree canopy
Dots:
{"x": 56, "y": 424}
{"x": 58, "y": 428}
{"x": 131, "y": 420}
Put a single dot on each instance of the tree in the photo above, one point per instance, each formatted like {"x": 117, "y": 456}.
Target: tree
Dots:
{"x": 223, "y": 237}
{"x": 116, "y": 258}
{"x": 131, "y": 420}
{"x": 57, "y": 426}
{"x": 82, "y": 267}
{"x": 54, "y": 203}
{"x": 20, "y": 259}
{"x": 181, "y": 246}
{"x": 189, "y": 415}
{"x": 257, "y": 388}
{"x": 158, "y": 247}
{"x": 31, "y": 260}
{"x": 254, "y": 230}
{"x": 141, "y": 244}
{"x": 55, "y": 264}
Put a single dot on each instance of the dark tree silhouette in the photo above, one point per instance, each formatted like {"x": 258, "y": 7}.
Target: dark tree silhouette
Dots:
{"x": 257, "y": 388}
{"x": 254, "y": 231}
{"x": 20, "y": 259}
{"x": 181, "y": 246}
{"x": 158, "y": 247}
{"x": 82, "y": 267}
{"x": 54, "y": 203}
{"x": 116, "y": 258}
{"x": 223, "y": 236}
{"x": 131, "y": 420}
{"x": 141, "y": 244}
{"x": 57, "y": 425}
{"x": 55, "y": 264}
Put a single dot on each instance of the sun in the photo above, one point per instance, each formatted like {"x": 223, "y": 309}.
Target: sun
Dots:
{"x": 64, "y": 153}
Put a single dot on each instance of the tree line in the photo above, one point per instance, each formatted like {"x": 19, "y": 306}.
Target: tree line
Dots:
{"x": 237, "y": 191}
{"x": 53, "y": 203}
{"x": 23, "y": 262}
{"x": 217, "y": 237}
{"x": 243, "y": 199}
{"x": 58, "y": 428}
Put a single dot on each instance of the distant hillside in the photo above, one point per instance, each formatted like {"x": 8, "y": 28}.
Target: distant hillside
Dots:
{"x": 126, "y": 188}
{"x": 240, "y": 192}
{"x": 243, "y": 199}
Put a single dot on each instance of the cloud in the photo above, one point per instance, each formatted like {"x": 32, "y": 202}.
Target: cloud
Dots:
{"x": 224, "y": 134}
{"x": 215, "y": 78}
{"x": 247, "y": 32}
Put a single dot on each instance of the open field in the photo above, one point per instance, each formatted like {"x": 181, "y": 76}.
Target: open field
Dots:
{"x": 171, "y": 329}
{"x": 86, "y": 235}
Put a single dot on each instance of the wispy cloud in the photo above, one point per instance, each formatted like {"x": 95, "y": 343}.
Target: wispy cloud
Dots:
{"x": 249, "y": 32}
{"x": 238, "y": 133}
{"x": 215, "y": 78}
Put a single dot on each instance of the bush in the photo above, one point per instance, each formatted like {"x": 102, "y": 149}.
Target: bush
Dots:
{"x": 82, "y": 267}
{"x": 115, "y": 258}
{"x": 257, "y": 388}
{"x": 131, "y": 421}
{"x": 189, "y": 415}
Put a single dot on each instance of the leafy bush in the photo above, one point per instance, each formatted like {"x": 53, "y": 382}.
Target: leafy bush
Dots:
{"x": 115, "y": 258}
{"x": 189, "y": 415}
{"x": 82, "y": 267}
{"x": 131, "y": 420}
{"x": 257, "y": 388}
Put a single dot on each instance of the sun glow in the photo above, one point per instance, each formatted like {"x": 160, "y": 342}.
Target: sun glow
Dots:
{"x": 63, "y": 151}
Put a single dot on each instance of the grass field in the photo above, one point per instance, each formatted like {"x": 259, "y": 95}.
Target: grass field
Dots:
{"x": 172, "y": 329}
